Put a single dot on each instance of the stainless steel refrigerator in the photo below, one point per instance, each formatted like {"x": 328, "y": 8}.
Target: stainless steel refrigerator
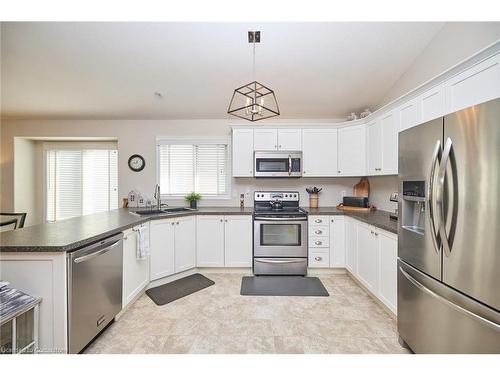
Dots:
{"x": 449, "y": 233}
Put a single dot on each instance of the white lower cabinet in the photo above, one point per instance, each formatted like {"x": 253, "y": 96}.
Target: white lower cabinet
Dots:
{"x": 238, "y": 241}
{"x": 224, "y": 241}
{"x": 387, "y": 286}
{"x": 161, "y": 238}
{"x": 173, "y": 247}
{"x": 367, "y": 257}
{"x": 337, "y": 241}
{"x": 135, "y": 271}
{"x": 351, "y": 245}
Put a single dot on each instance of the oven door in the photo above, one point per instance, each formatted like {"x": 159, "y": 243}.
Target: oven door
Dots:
{"x": 280, "y": 237}
{"x": 277, "y": 164}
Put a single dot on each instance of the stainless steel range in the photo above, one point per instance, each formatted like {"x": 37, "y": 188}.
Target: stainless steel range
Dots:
{"x": 279, "y": 234}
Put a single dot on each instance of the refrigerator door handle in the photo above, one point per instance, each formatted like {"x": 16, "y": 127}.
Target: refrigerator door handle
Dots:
{"x": 430, "y": 197}
{"x": 454, "y": 306}
{"x": 440, "y": 196}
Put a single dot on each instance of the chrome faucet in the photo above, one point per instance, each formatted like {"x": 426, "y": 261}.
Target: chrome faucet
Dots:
{"x": 157, "y": 196}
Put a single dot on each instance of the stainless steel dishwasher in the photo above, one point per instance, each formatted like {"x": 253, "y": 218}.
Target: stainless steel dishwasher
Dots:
{"x": 94, "y": 289}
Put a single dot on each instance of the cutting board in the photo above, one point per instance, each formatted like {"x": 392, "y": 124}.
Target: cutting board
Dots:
{"x": 362, "y": 188}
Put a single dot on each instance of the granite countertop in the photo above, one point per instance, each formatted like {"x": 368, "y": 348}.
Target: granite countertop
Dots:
{"x": 378, "y": 218}
{"x": 71, "y": 234}
{"x": 74, "y": 233}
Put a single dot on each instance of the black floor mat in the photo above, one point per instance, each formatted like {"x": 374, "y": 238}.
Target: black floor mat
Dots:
{"x": 282, "y": 286}
{"x": 163, "y": 294}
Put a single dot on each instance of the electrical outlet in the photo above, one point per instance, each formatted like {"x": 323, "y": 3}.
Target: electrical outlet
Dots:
{"x": 394, "y": 197}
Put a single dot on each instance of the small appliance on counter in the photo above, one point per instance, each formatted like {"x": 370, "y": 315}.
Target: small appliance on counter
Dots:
{"x": 359, "y": 199}
{"x": 394, "y": 198}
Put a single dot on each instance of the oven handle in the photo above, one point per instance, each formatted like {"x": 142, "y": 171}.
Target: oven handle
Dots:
{"x": 257, "y": 219}
{"x": 279, "y": 261}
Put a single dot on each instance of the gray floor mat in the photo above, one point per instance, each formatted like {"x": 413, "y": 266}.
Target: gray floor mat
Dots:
{"x": 163, "y": 294}
{"x": 282, "y": 286}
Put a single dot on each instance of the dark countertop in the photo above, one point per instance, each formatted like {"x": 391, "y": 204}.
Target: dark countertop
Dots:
{"x": 378, "y": 218}
{"x": 71, "y": 234}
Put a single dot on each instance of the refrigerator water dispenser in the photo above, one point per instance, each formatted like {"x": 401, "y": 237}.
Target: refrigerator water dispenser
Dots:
{"x": 413, "y": 206}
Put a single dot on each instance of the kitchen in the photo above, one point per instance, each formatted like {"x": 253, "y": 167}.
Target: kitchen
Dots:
{"x": 314, "y": 230}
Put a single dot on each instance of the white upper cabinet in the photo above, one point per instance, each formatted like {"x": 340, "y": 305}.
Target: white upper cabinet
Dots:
{"x": 265, "y": 139}
{"x": 319, "y": 152}
{"x": 352, "y": 151}
{"x": 242, "y": 153}
{"x": 477, "y": 84}
{"x": 289, "y": 139}
{"x": 162, "y": 244}
{"x": 432, "y": 103}
{"x": 409, "y": 115}
{"x": 185, "y": 243}
{"x": 210, "y": 241}
{"x": 374, "y": 142}
{"x": 238, "y": 241}
{"x": 389, "y": 125}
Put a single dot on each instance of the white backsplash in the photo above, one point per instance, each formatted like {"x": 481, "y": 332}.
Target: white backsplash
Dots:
{"x": 381, "y": 188}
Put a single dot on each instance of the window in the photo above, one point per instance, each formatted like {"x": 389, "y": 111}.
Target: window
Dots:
{"x": 185, "y": 166}
{"x": 80, "y": 180}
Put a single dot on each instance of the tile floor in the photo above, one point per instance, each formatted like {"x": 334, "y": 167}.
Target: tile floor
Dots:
{"x": 219, "y": 320}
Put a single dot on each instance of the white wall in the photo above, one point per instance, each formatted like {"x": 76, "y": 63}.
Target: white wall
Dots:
{"x": 455, "y": 42}
{"x": 136, "y": 136}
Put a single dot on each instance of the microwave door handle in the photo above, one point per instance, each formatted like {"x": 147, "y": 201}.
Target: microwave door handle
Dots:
{"x": 289, "y": 165}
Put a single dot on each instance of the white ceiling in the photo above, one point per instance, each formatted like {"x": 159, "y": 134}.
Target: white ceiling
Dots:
{"x": 111, "y": 70}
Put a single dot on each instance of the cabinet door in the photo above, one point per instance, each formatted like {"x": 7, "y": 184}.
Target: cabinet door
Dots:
{"x": 388, "y": 288}
{"x": 408, "y": 115}
{"x": 368, "y": 249}
{"x": 352, "y": 151}
{"x": 242, "y": 153}
{"x": 351, "y": 245}
{"x": 477, "y": 84}
{"x": 210, "y": 241}
{"x": 185, "y": 243}
{"x": 319, "y": 152}
{"x": 265, "y": 139}
{"x": 432, "y": 103}
{"x": 161, "y": 237}
{"x": 374, "y": 141}
{"x": 337, "y": 241}
{"x": 290, "y": 139}
{"x": 238, "y": 241}
{"x": 389, "y": 128}
{"x": 135, "y": 271}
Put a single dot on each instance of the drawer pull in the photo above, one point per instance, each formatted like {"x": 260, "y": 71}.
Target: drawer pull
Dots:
{"x": 318, "y": 221}
{"x": 318, "y": 231}
{"x": 318, "y": 259}
{"x": 318, "y": 242}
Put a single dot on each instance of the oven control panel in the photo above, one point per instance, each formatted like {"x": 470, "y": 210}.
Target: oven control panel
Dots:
{"x": 290, "y": 196}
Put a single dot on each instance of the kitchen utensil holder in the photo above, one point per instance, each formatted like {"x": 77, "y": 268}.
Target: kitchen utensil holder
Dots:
{"x": 313, "y": 200}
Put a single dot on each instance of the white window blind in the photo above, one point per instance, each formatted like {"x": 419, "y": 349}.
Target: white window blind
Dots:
{"x": 80, "y": 182}
{"x": 184, "y": 168}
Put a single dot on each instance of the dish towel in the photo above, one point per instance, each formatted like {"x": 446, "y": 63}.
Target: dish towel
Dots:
{"x": 142, "y": 242}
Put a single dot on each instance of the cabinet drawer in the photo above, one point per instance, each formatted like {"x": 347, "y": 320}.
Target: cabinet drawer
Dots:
{"x": 321, "y": 231}
{"x": 319, "y": 259}
{"x": 318, "y": 241}
{"x": 318, "y": 220}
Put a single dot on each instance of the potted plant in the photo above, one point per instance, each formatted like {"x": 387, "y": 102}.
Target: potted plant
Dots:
{"x": 193, "y": 198}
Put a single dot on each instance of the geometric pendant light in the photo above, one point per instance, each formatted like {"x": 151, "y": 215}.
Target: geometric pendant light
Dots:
{"x": 253, "y": 101}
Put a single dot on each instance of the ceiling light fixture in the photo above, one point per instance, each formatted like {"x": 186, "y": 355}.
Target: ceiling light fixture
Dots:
{"x": 253, "y": 101}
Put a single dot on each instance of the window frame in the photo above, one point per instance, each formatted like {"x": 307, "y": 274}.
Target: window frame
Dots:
{"x": 208, "y": 140}
{"x": 72, "y": 145}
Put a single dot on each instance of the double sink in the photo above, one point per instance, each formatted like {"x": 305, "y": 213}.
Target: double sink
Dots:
{"x": 164, "y": 211}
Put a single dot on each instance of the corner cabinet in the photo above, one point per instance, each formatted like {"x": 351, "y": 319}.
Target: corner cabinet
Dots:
{"x": 319, "y": 152}
{"x": 352, "y": 151}
{"x": 337, "y": 241}
{"x": 242, "y": 149}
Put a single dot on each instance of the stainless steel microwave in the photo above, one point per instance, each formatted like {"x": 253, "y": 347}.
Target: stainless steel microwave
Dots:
{"x": 278, "y": 164}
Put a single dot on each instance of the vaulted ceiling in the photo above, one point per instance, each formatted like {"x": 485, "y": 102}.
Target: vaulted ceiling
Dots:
{"x": 112, "y": 70}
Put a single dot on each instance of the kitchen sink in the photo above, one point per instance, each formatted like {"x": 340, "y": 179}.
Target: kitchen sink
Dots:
{"x": 164, "y": 211}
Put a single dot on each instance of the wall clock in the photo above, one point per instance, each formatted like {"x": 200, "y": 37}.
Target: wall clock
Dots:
{"x": 136, "y": 162}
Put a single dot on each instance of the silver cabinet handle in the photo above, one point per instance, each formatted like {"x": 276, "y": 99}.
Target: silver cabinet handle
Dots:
{"x": 338, "y": 171}
{"x": 318, "y": 259}
{"x": 177, "y": 223}
{"x": 375, "y": 233}
{"x": 318, "y": 221}
{"x": 318, "y": 242}
{"x": 221, "y": 220}
{"x": 440, "y": 196}
{"x": 454, "y": 306}
{"x": 318, "y": 231}
{"x": 96, "y": 254}
{"x": 173, "y": 223}
{"x": 430, "y": 196}
{"x": 278, "y": 261}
